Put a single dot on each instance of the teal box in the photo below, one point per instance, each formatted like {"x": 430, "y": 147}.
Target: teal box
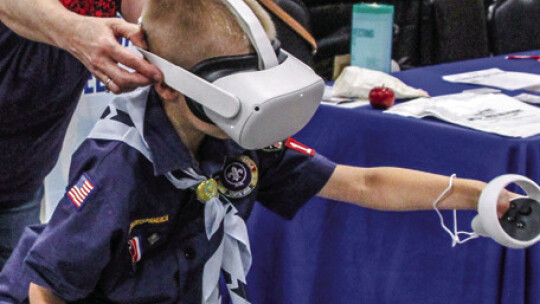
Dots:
{"x": 371, "y": 37}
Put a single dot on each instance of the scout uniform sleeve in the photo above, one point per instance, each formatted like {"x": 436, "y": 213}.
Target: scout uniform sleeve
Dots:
{"x": 290, "y": 177}
{"x": 80, "y": 239}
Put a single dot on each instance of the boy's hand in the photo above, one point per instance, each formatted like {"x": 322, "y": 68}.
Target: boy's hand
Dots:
{"x": 503, "y": 202}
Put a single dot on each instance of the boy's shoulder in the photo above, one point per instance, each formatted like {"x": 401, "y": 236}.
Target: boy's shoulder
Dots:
{"x": 110, "y": 162}
{"x": 115, "y": 150}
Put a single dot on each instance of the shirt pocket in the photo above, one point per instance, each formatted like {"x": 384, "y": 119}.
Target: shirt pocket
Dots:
{"x": 147, "y": 270}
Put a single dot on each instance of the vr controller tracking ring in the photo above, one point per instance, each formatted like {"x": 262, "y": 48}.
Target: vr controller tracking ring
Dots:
{"x": 519, "y": 227}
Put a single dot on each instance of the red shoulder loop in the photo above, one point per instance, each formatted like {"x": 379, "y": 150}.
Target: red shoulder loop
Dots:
{"x": 295, "y": 145}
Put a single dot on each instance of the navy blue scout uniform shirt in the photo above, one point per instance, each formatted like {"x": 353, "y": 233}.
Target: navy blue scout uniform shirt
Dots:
{"x": 39, "y": 89}
{"x": 132, "y": 237}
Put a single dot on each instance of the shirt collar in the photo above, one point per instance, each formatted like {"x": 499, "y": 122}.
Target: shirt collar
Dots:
{"x": 168, "y": 151}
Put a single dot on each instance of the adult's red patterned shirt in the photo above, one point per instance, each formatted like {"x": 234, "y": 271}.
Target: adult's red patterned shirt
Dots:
{"x": 97, "y": 8}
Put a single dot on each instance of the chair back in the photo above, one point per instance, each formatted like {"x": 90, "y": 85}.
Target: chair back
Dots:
{"x": 460, "y": 30}
{"x": 513, "y": 26}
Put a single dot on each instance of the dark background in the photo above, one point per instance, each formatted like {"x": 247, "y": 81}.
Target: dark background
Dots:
{"x": 426, "y": 32}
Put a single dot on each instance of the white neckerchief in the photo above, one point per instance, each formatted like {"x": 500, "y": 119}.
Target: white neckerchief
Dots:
{"x": 233, "y": 255}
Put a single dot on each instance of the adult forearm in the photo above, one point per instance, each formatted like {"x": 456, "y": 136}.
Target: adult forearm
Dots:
{"x": 39, "y": 20}
{"x": 94, "y": 41}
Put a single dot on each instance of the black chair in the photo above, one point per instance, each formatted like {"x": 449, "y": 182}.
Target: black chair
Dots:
{"x": 514, "y": 25}
{"x": 290, "y": 40}
{"x": 425, "y": 31}
{"x": 331, "y": 27}
{"x": 460, "y": 30}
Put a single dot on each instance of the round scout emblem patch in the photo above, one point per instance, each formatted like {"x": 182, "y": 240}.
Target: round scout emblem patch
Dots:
{"x": 238, "y": 178}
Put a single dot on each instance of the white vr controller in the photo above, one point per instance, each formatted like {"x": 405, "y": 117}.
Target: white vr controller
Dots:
{"x": 519, "y": 227}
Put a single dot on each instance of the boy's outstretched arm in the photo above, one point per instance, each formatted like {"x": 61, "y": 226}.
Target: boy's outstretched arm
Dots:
{"x": 42, "y": 295}
{"x": 388, "y": 188}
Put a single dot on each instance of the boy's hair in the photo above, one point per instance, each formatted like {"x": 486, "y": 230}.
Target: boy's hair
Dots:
{"x": 186, "y": 32}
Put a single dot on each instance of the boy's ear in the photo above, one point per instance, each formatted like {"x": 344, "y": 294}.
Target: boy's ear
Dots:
{"x": 165, "y": 92}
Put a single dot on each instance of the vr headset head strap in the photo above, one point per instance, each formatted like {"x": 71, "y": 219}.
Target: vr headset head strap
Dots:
{"x": 255, "y": 31}
{"x": 199, "y": 89}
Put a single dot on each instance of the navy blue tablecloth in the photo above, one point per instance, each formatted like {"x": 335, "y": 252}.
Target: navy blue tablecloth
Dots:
{"x": 338, "y": 253}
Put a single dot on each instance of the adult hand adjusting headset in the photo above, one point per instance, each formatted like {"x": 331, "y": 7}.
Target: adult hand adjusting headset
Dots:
{"x": 257, "y": 99}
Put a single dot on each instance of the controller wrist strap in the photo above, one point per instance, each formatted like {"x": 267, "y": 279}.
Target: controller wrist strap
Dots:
{"x": 455, "y": 235}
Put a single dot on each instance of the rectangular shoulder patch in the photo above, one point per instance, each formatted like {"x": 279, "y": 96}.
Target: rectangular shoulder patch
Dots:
{"x": 80, "y": 191}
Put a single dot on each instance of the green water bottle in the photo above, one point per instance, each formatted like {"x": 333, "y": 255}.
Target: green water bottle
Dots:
{"x": 371, "y": 37}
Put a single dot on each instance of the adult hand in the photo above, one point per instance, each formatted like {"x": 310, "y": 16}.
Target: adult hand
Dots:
{"x": 91, "y": 40}
{"x": 94, "y": 41}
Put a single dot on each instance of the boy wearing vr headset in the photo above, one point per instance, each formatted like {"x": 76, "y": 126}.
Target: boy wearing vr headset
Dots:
{"x": 157, "y": 200}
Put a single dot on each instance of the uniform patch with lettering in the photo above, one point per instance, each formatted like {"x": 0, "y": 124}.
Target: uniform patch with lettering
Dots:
{"x": 80, "y": 191}
{"x": 150, "y": 220}
{"x": 135, "y": 249}
{"x": 295, "y": 145}
{"x": 238, "y": 178}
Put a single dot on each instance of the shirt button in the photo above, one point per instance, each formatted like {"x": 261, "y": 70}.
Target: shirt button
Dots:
{"x": 189, "y": 253}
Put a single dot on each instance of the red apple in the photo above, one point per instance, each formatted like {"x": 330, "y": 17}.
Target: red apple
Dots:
{"x": 381, "y": 97}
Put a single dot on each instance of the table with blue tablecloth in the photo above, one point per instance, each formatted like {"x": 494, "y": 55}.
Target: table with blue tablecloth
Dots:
{"x": 338, "y": 253}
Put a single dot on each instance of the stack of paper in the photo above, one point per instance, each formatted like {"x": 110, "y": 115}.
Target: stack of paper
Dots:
{"x": 343, "y": 102}
{"x": 493, "y": 113}
{"x": 496, "y": 78}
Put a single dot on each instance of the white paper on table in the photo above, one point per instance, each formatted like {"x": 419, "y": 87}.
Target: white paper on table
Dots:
{"x": 349, "y": 104}
{"x": 496, "y": 78}
{"x": 342, "y": 102}
{"x": 528, "y": 98}
{"x": 492, "y": 113}
{"x": 533, "y": 89}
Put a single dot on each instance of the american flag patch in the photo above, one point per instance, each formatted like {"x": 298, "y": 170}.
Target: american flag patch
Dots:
{"x": 80, "y": 191}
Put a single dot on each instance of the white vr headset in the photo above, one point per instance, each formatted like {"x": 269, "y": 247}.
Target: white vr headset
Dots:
{"x": 257, "y": 99}
{"x": 519, "y": 227}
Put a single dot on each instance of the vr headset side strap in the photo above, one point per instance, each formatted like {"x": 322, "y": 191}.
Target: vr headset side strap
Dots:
{"x": 291, "y": 22}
